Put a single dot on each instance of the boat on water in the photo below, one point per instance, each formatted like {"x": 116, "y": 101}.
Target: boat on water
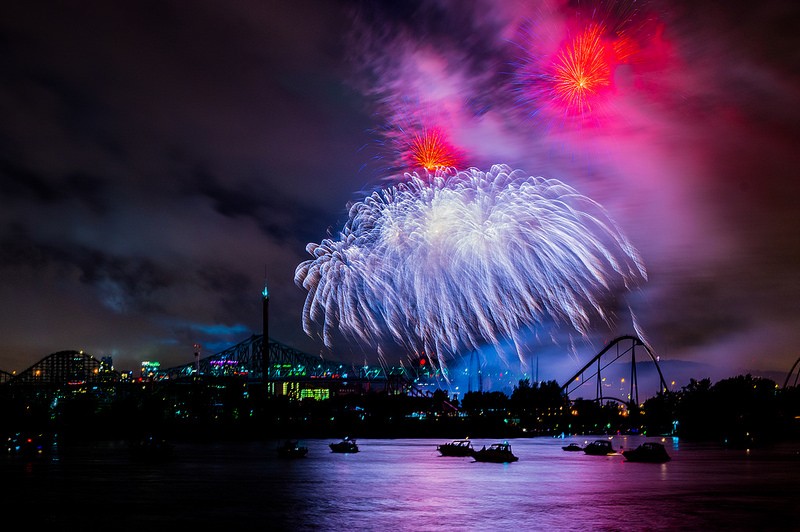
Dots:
{"x": 599, "y": 448}
{"x": 151, "y": 447}
{"x": 345, "y": 446}
{"x": 292, "y": 449}
{"x": 499, "y": 453}
{"x": 651, "y": 452}
{"x": 572, "y": 447}
{"x": 456, "y": 448}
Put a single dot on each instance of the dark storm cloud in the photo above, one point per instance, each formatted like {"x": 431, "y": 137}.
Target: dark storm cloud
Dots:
{"x": 134, "y": 278}
{"x": 20, "y": 184}
{"x": 280, "y": 216}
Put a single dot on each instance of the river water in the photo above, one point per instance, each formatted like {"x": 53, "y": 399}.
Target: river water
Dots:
{"x": 404, "y": 485}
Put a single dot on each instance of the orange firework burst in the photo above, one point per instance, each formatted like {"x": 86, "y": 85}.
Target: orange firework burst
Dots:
{"x": 431, "y": 151}
{"x": 583, "y": 70}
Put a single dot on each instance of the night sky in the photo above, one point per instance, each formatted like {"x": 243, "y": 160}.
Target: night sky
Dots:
{"x": 159, "y": 161}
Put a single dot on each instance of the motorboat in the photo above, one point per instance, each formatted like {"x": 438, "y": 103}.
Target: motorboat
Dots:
{"x": 345, "y": 446}
{"x": 497, "y": 452}
{"x": 292, "y": 449}
{"x": 599, "y": 448}
{"x": 572, "y": 447}
{"x": 456, "y": 448}
{"x": 647, "y": 452}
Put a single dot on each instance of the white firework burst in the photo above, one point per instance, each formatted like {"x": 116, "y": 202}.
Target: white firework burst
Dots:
{"x": 451, "y": 261}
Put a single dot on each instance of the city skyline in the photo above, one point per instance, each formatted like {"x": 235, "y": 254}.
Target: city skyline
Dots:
{"x": 158, "y": 165}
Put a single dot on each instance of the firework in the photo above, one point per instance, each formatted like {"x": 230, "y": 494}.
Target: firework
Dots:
{"x": 576, "y": 78}
{"x": 417, "y": 141}
{"x": 463, "y": 259}
{"x": 431, "y": 151}
{"x": 567, "y": 63}
{"x": 582, "y": 71}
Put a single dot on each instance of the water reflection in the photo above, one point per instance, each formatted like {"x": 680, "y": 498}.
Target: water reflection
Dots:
{"x": 406, "y": 485}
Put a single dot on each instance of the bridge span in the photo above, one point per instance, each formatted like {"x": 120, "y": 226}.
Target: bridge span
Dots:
{"x": 288, "y": 371}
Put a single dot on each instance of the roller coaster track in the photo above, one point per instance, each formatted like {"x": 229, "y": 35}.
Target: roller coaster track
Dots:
{"x": 71, "y": 368}
{"x": 791, "y": 371}
{"x": 579, "y": 379}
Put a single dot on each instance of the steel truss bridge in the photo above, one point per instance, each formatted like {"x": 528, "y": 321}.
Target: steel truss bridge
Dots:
{"x": 286, "y": 364}
{"x": 615, "y": 350}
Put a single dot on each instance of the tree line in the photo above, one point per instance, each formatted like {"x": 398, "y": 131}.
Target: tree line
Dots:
{"x": 741, "y": 411}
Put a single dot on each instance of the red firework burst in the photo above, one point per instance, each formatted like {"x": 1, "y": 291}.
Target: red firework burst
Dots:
{"x": 583, "y": 70}
{"x": 431, "y": 150}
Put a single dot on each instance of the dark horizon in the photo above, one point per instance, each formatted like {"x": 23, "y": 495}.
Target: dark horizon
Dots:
{"x": 497, "y": 376}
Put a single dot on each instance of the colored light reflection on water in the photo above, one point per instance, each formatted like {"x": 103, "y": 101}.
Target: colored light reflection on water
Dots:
{"x": 402, "y": 484}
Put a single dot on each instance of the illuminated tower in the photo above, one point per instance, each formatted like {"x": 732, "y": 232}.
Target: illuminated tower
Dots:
{"x": 265, "y": 338}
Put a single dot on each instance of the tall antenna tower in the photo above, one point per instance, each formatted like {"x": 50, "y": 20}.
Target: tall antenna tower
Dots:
{"x": 265, "y": 331}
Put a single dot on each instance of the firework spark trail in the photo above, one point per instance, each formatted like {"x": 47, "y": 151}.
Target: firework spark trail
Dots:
{"x": 582, "y": 70}
{"x": 431, "y": 151}
{"x": 454, "y": 261}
